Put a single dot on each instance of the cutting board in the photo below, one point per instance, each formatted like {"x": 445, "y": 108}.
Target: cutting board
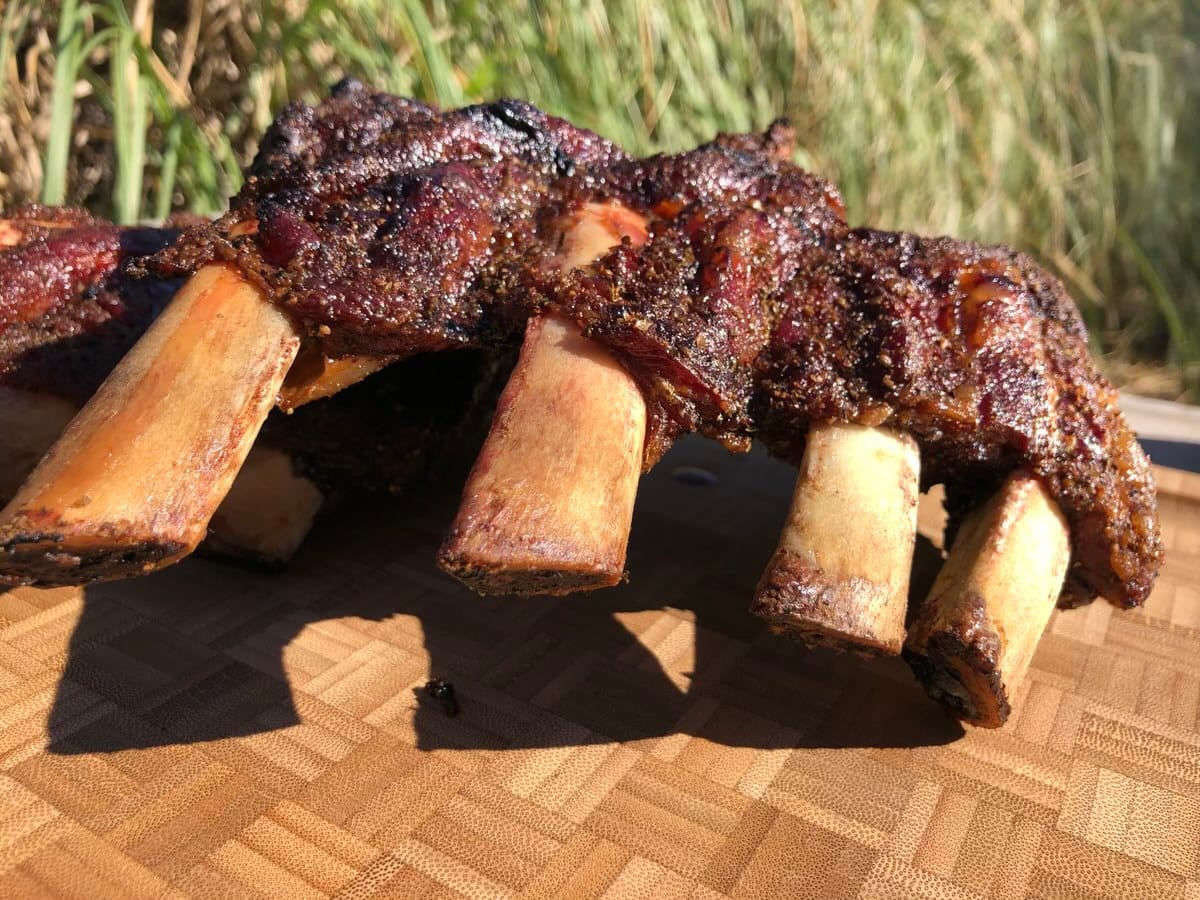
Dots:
{"x": 216, "y": 732}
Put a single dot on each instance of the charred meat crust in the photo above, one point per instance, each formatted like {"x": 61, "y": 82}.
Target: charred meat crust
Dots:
{"x": 982, "y": 358}
{"x": 428, "y": 231}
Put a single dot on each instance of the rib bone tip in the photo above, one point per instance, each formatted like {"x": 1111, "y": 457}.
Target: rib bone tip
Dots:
{"x": 502, "y": 577}
{"x": 972, "y": 640}
{"x": 840, "y": 575}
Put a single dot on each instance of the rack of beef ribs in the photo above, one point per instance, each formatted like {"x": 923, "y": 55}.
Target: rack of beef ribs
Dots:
{"x": 717, "y": 291}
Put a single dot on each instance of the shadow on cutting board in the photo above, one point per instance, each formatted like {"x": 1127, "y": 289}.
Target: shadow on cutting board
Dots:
{"x": 202, "y": 652}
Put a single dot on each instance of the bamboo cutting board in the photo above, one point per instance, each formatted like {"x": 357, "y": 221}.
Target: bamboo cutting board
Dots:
{"x": 212, "y": 732}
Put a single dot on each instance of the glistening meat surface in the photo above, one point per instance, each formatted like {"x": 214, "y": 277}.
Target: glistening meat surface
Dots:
{"x": 389, "y": 228}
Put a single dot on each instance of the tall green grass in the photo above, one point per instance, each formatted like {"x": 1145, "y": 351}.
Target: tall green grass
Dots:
{"x": 1068, "y": 127}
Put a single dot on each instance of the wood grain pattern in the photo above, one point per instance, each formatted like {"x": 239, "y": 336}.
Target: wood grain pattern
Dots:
{"x": 213, "y": 732}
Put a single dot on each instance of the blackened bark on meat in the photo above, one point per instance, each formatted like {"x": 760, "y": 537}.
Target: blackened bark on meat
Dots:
{"x": 397, "y": 229}
{"x": 400, "y": 230}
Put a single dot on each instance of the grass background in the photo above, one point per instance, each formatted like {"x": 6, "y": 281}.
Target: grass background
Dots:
{"x": 1070, "y": 128}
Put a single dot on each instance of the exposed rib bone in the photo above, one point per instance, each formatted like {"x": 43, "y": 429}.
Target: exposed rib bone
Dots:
{"x": 971, "y": 642}
{"x": 840, "y": 574}
{"x": 269, "y": 509}
{"x": 134, "y": 480}
{"x": 263, "y": 519}
{"x": 548, "y": 505}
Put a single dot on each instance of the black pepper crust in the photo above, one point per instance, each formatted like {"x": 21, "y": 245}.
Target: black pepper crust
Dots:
{"x": 389, "y": 229}
{"x": 394, "y": 226}
{"x": 752, "y": 311}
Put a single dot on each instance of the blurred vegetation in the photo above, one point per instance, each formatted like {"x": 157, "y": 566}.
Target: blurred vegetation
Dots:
{"x": 1068, "y": 127}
